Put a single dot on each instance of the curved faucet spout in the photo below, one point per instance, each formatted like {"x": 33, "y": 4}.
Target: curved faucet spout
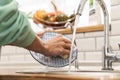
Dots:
{"x": 81, "y": 7}
{"x": 106, "y": 29}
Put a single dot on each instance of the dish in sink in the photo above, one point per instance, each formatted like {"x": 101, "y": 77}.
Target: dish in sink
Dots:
{"x": 54, "y": 61}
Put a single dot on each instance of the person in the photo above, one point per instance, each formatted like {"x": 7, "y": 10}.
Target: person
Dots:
{"x": 15, "y": 30}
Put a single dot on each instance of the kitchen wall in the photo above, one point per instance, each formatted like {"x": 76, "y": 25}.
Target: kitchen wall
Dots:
{"x": 90, "y": 46}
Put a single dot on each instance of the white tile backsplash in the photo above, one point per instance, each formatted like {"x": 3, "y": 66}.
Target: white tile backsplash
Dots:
{"x": 29, "y": 58}
{"x": 93, "y": 56}
{"x": 115, "y": 29}
{"x": 4, "y": 58}
{"x": 115, "y": 13}
{"x": 16, "y": 58}
{"x": 20, "y": 50}
{"x": 78, "y": 35}
{"x": 81, "y": 56}
{"x": 8, "y": 50}
{"x": 99, "y": 43}
{"x": 86, "y": 44}
{"x": 94, "y": 34}
{"x": 113, "y": 42}
{"x": 115, "y": 2}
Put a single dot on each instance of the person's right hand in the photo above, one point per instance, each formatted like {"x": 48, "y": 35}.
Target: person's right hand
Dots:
{"x": 57, "y": 46}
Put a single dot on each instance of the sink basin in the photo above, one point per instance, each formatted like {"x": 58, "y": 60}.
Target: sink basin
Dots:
{"x": 83, "y": 72}
{"x": 67, "y": 72}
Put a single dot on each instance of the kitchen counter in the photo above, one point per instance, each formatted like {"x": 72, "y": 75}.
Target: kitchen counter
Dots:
{"x": 10, "y": 74}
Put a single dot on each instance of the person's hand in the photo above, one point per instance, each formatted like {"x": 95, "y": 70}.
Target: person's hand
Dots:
{"x": 40, "y": 33}
{"x": 57, "y": 46}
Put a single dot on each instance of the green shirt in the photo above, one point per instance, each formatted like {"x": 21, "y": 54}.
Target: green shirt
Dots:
{"x": 14, "y": 25}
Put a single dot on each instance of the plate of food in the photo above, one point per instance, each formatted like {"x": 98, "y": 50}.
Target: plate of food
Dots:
{"x": 54, "y": 61}
{"x": 56, "y": 19}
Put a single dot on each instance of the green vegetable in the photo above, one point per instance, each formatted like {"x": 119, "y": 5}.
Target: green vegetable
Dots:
{"x": 61, "y": 17}
{"x": 46, "y": 18}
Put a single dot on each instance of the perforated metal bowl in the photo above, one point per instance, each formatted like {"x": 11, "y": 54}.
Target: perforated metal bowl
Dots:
{"x": 55, "y": 61}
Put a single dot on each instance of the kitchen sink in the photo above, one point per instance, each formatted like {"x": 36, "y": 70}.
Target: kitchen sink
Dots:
{"x": 68, "y": 72}
{"x": 81, "y": 70}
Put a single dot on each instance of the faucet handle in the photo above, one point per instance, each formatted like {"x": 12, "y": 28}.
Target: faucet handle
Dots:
{"x": 118, "y": 56}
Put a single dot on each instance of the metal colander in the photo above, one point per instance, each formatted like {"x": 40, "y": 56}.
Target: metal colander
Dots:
{"x": 55, "y": 61}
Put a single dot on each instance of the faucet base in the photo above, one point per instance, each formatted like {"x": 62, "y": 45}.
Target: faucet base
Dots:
{"x": 108, "y": 68}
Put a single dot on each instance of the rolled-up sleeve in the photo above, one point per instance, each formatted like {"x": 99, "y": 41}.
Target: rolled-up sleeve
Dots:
{"x": 14, "y": 25}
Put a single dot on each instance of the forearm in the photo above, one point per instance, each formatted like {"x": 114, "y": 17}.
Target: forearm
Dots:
{"x": 37, "y": 45}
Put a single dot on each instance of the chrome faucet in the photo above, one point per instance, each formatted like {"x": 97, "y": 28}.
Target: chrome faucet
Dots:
{"x": 108, "y": 55}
